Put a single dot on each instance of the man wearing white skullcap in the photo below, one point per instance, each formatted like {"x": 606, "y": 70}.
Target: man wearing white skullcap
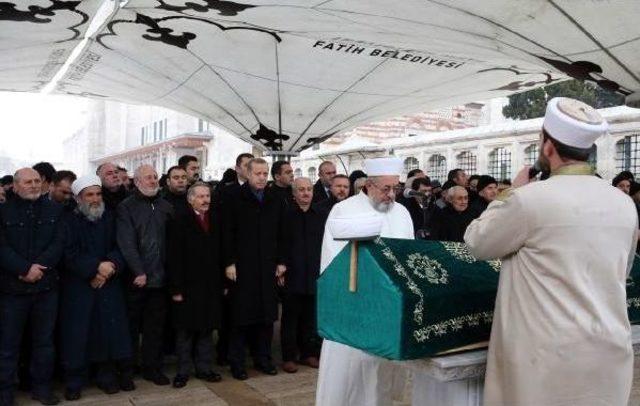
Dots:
{"x": 349, "y": 376}
{"x": 93, "y": 319}
{"x": 561, "y": 333}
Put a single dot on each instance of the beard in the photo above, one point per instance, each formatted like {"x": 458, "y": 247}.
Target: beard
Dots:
{"x": 149, "y": 192}
{"x": 30, "y": 196}
{"x": 93, "y": 213}
{"x": 381, "y": 206}
{"x": 544, "y": 163}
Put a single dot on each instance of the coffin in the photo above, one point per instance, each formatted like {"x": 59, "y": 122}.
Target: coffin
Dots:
{"x": 416, "y": 299}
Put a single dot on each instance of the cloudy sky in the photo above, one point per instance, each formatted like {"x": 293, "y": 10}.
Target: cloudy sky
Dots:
{"x": 33, "y": 126}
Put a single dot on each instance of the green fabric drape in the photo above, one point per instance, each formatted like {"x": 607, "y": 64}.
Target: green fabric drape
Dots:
{"x": 416, "y": 298}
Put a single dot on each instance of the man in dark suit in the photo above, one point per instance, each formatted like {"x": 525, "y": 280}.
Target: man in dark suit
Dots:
{"x": 421, "y": 207}
{"x": 282, "y": 174}
{"x": 338, "y": 191}
{"x": 223, "y": 192}
{"x": 195, "y": 284}
{"x": 304, "y": 232}
{"x": 326, "y": 172}
{"x": 254, "y": 258}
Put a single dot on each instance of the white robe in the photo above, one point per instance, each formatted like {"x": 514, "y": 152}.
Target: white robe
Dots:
{"x": 561, "y": 333}
{"x": 349, "y": 376}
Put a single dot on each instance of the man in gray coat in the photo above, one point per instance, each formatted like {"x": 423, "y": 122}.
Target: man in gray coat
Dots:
{"x": 142, "y": 219}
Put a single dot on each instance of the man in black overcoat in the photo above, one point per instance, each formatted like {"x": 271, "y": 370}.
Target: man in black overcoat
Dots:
{"x": 254, "y": 259}
{"x": 326, "y": 172}
{"x": 93, "y": 316}
{"x": 304, "y": 232}
{"x": 195, "y": 284}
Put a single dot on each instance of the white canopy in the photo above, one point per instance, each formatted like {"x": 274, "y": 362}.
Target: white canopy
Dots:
{"x": 287, "y": 74}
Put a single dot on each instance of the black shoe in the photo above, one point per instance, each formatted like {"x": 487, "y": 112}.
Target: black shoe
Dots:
{"x": 239, "y": 374}
{"x": 180, "y": 381}
{"x": 72, "y": 394}
{"x": 157, "y": 378}
{"x": 209, "y": 376}
{"x": 46, "y": 399}
{"x": 127, "y": 385}
{"x": 267, "y": 368}
{"x": 109, "y": 388}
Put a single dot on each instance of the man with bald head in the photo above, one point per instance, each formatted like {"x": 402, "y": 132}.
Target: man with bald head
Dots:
{"x": 31, "y": 245}
{"x": 141, "y": 229}
{"x": 304, "y": 228}
{"x": 113, "y": 191}
{"x": 321, "y": 189}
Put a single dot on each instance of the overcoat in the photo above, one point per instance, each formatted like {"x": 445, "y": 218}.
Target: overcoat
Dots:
{"x": 253, "y": 240}
{"x": 195, "y": 271}
{"x": 92, "y": 319}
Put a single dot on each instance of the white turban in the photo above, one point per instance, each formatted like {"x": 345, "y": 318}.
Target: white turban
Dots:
{"x": 573, "y": 122}
{"x": 390, "y": 166}
{"x": 84, "y": 182}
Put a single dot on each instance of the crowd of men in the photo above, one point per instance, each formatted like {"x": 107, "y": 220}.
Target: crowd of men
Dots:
{"x": 102, "y": 275}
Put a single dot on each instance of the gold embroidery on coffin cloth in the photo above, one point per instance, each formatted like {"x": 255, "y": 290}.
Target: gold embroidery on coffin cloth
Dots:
{"x": 633, "y": 302}
{"x": 429, "y": 269}
{"x": 461, "y": 252}
{"x": 444, "y": 327}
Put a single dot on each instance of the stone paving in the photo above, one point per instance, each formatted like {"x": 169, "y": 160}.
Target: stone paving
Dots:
{"x": 281, "y": 390}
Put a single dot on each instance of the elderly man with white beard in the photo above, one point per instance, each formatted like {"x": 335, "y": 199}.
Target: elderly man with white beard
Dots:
{"x": 349, "y": 376}
{"x": 142, "y": 222}
{"x": 93, "y": 320}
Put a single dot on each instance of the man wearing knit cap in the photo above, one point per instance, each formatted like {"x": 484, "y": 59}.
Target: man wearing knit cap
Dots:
{"x": 561, "y": 333}
{"x": 487, "y": 191}
{"x": 349, "y": 376}
{"x": 93, "y": 319}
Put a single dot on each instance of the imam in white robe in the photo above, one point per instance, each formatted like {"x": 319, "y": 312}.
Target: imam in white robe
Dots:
{"x": 349, "y": 376}
{"x": 561, "y": 333}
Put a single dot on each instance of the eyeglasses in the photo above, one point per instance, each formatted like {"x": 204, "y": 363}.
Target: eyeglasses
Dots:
{"x": 388, "y": 189}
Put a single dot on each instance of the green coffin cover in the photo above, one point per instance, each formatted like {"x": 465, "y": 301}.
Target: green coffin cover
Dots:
{"x": 416, "y": 298}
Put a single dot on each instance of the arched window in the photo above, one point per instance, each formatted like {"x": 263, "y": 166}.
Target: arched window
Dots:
{"x": 437, "y": 167}
{"x": 467, "y": 162}
{"x": 500, "y": 163}
{"x": 297, "y": 173}
{"x": 410, "y": 164}
{"x": 312, "y": 174}
{"x": 628, "y": 154}
{"x": 531, "y": 154}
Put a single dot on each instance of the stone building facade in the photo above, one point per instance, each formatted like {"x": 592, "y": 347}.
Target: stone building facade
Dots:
{"x": 499, "y": 149}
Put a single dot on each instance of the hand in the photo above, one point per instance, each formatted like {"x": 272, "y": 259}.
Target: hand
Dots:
{"x": 177, "y": 298}
{"x": 280, "y": 280}
{"x": 140, "y": 281}
{"x": 35, "y": 274}
{"x": 522, "y": 178}
{"x": 98, "y": 281}
{"x": 106, "y": 269}
{"x": 230, "y": 272}
{"x": 280, "y": 270}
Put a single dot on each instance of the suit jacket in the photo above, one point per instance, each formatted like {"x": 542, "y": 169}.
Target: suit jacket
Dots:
{"x": 319, "y": 194}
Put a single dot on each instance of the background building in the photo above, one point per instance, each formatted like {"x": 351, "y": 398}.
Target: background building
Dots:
{"x": 130, "y": 135}
{"x": 499, "y": 149}
{"x": 475, "y": 137}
